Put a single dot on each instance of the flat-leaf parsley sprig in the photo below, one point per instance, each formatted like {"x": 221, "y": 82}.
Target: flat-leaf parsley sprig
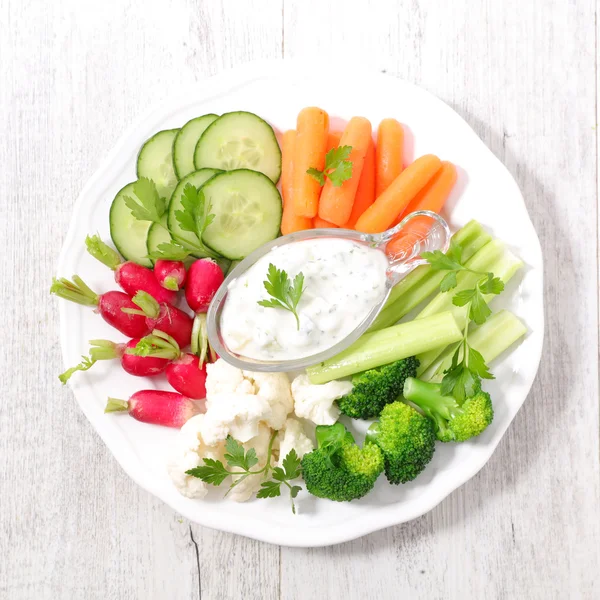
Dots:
{"x": 337, "y": 167}
{"x": 240, "y": 462}
{"x": 147, "y": 205}
{"x": 468, "y": 366}
{"x": 284, "y": 293}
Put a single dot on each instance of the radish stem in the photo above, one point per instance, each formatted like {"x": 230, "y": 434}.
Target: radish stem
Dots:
{"x": 116, "y": 405}
{"x": 102, "y": 252}
{"x": 147, "y": 303}
{"x": 85, "y": 364}
{"x": 75, "y": 291}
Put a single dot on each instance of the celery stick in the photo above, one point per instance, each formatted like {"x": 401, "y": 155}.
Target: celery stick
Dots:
{"x": 423, "y": 281}
{"x": 505, "y": 268}
{"x": 384, "y": 347}
{"x": 491, "y": 339}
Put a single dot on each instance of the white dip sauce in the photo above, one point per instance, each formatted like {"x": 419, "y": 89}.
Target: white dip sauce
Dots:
{"x": 343, "y": 281}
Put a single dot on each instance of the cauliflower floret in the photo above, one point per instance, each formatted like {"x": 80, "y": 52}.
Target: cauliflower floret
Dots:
{"x": 235, "y": 414}
{"x": 317, "y": 402}
{"x": 251, "y": 484}
{"x": 293, "y": 437}
{"x": 275, "y": 388}
{"x": 190, "y": 451}
{"x": 221, "y": 377}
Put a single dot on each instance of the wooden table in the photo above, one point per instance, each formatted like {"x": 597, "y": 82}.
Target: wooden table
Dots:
{"x": 74, "y": 74}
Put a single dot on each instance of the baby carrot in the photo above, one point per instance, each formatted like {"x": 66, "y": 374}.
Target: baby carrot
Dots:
{"x": 290, "y": 222}
{"x": 414, "y": 231}
{"x": 383, "y": 212}
{"x": 310, "y": 148}
{"x": 336, "y": 203}
{"x": 333, "y": 140}
{"x": 434, "y": 195}
{"x": 365, "y": 192}
{"x": 390, "y": 146}
{"x": 319, "y": 223}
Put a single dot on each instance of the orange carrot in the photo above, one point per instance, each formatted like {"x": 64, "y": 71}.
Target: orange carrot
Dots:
{"x": 319, "y": 223}
{"x": 390, "y": 147}
{"x": 365, "y": 192}
{"x": 333, "y": 140}
{"x": 383, "y": 212}
{"x": 434, "y": 195}
{"x": 415, "y": 230}
{"x": 290, "y": 222}
{"x": 311, "y": 145}
{"x": 336, "y": 203}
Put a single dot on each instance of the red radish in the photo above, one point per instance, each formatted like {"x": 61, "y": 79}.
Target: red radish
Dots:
{"x": 129, "y": 275}
{"x": 164, "y": 317}
{"x": 203, "y": 280}
{"x": 186, "y": 373}
{"x": 186, "y": 376}
{"x": 138, "y": 365}
{"x": 112, "y": 306}
{"x": 169, "y": 409}
{"x": 170, "y": 274}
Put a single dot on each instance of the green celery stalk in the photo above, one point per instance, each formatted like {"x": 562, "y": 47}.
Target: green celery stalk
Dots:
{"x": 505, "y": 268}
{"x": 419, "y": 284}
{"x": 386, "y": 346}
{"x": 491, "y": 339}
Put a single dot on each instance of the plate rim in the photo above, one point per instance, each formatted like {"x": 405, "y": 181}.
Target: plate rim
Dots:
{"x": 381, "y": 518}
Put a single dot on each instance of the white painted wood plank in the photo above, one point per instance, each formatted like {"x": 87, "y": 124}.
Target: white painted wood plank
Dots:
{"x": 73, "y": 76}
{"x": 523, "y": 75}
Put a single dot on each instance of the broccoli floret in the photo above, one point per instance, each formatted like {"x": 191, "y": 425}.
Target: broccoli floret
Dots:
{"x": 375, "y": 388}
{"x": 338, "y": 469}
{"x": 407, "y": 440}
{"x": 453, "y": 422}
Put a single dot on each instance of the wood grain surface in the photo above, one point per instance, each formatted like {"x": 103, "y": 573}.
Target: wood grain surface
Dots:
{"x": 74, "y": 74}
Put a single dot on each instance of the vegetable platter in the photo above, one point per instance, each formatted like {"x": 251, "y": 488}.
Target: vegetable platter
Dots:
{"x": 240, "y": 119}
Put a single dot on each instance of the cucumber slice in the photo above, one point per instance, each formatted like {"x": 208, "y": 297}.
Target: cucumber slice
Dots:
{"x": 240, "y": 140}
{"x": 157, "y": 234}
{"x": 155, "y": 161}
{"x": 197, "y": 179}
{"x": 247, "y": 209}
{"x": 185, "y": 144}
{"x": 127, "y": 233}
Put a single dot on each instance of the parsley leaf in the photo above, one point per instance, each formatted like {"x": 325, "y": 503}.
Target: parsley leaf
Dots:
{"x": 269, "y": 489}
{"x": 318, "y": 175}
{"x": 214, "y": 472}
{"x": 283, "y": 294}
{"x": 337, "y": 167}
{"x": 195, "y": 216}
{"x": 169, "y": 251}
{"x": 291, "y": 465}
{"x": 282, "y": 476}
{"x": 236, "y": 456}
{"x": 147, "y": 204}
{"x": 491, "y": 284}
{"x": 442, "y": 262}
{"x": 477, "y": 364}
{"x": 468, "y": 366}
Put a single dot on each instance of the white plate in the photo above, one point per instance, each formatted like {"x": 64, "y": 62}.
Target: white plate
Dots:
{"x": 486, "y": 191}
